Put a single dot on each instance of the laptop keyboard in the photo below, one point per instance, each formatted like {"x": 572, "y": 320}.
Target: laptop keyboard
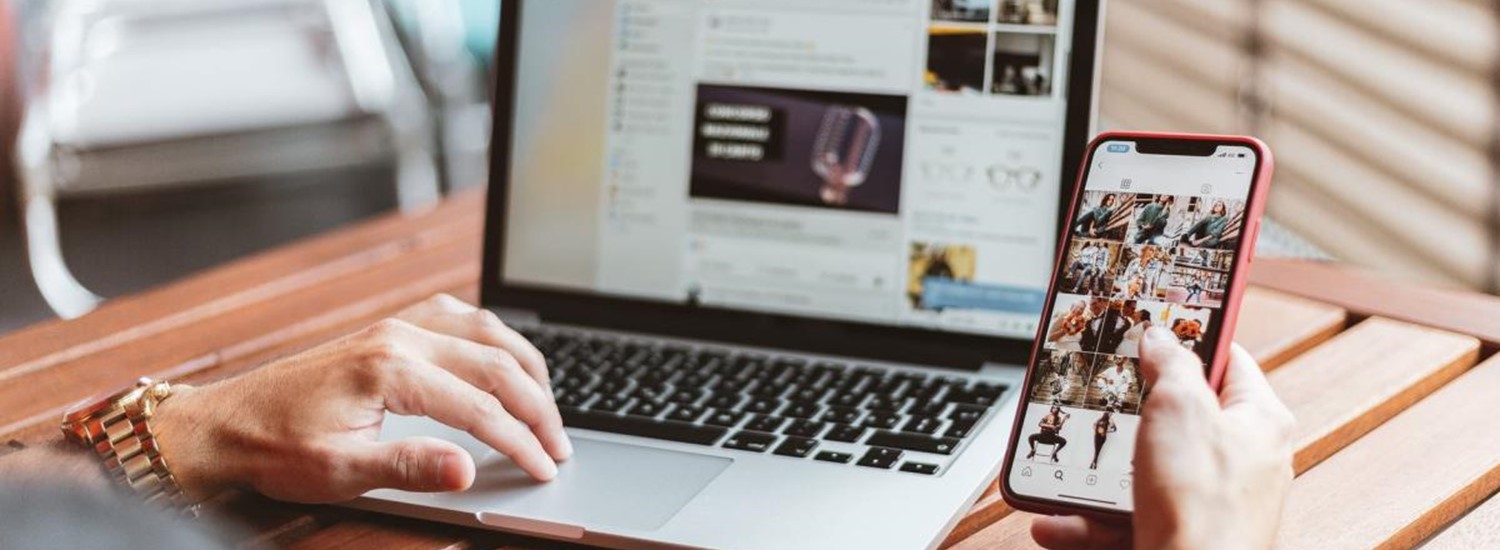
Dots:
{"x": 761, "y": 403}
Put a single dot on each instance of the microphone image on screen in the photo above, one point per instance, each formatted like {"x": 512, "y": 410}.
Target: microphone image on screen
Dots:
{"x": 844, "y": 150}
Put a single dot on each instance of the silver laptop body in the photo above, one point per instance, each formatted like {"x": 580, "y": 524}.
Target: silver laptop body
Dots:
{"x": 693, "y": 199}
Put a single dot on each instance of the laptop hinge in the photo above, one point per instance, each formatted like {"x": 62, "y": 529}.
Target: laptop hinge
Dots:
{"x": 517, "y": 316}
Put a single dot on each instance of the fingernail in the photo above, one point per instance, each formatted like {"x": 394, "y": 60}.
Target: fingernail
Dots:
{"x": 567, "y": 447}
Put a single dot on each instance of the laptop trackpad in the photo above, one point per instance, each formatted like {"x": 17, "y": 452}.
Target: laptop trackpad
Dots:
{"x": 604, "y": 484}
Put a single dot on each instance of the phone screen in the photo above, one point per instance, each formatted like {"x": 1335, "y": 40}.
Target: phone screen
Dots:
{"x": 1152, "y": 243}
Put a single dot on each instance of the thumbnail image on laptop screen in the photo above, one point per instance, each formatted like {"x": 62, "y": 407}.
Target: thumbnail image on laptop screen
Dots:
{"x": 884, "y": 161}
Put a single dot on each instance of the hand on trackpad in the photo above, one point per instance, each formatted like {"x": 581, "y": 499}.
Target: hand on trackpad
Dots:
{"x": 604, "y": 484}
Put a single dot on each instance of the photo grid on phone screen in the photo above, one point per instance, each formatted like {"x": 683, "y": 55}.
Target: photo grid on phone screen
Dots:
{"x": 1134, "y": 261}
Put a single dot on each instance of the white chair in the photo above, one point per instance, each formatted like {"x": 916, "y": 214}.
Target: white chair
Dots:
{"x": 146, "y": 94}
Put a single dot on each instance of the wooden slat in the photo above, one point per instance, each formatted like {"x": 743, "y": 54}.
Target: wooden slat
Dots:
{"x": 1480, "y": 528}
{"x": 1273, "y": 327}
{"x": 1406, "y": 479}
{"x": 239, "y": 284}
{"x": 1368, "y": 293}
{"x": 385, "y": 533}
{"x": 1276, "y": 327}
{"x": 1349, "y": 384}
{"x": 1346, "y": 387}
{"x": 42, "y": 395}
{"x": 990, "y": 509}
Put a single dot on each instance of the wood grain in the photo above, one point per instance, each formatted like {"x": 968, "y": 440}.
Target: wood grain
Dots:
{"x": 233, "y": 319}
{"x": 1273, "y": 327}
{"x": 1276, "y": 327}
{"x": 1480, "y": 528}
{"x": 386, "y": 533}
{"x": 240, "y": 284}
{"x": 1362, "y": 377}
{"x": 1406, "y": 479}
{"x": 1339, "y": 390}
{"x": 41, "y": 395}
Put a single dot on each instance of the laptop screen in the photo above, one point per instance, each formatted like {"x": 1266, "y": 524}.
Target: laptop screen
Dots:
{"x": 895, "y": 162}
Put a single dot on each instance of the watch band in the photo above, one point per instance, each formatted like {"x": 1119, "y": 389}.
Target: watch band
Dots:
{"x": 118, "y": 429}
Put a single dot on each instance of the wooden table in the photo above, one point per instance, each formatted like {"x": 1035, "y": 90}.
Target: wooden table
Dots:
{"x": 1393, "y": 385}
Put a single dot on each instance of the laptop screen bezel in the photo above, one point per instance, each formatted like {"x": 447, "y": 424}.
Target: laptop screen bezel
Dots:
{"x": 735, "y": 326}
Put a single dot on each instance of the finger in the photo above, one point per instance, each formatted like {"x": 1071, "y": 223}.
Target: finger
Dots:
{"x": 1168, "y": 366}
{"x": 454, "y": 317}
{"x": 419, "y": 388}
{"x": 497, "y": 372}
{"x": 1244, "y": 381}
{"x": 1076, "y": 533}
{"x": 420, "y": 464}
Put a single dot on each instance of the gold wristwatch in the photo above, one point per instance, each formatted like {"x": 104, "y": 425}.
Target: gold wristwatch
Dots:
{"x": 118, "y": 428}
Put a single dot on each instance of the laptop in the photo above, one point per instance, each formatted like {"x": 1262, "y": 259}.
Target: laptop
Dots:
{"x": 785, "y": 259}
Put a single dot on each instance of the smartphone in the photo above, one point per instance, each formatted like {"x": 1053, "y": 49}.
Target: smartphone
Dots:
{"x": 1160, "y": 233}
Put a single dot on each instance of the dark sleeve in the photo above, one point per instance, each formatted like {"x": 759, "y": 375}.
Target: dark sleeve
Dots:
{"x": 37, "y": 517}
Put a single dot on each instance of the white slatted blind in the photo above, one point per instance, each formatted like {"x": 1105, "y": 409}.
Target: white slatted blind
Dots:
{"x": 1382, "y": 114}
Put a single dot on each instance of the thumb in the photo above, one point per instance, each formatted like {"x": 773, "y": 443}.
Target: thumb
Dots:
{"x": 1174, "y": 373}
{"x": 419, "y": 464}
{"x": 1164, "y": 360}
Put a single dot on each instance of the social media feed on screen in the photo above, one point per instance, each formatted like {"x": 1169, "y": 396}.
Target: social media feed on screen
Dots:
{"x": 1152, "y": 244}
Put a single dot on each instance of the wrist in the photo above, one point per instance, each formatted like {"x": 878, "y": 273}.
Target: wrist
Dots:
{"x": 188, "y": 432}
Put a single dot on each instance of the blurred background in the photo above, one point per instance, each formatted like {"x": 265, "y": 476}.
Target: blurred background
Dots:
{"x": 144, "y": 140}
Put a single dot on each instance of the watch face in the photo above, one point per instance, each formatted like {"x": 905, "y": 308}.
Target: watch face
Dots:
{"x": 82, "y": 410}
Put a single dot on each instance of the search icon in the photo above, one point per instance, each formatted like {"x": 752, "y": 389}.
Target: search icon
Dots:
{"x": 1057, "y": 475}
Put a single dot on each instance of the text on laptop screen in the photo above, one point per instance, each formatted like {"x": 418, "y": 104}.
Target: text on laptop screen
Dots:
{"x": 894, "y": 162}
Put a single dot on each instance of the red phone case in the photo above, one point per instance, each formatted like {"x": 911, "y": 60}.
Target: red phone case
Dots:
{"x": 1244, "y": 255}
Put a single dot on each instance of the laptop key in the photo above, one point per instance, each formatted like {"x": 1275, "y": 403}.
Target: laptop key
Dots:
{"x": 686, "y": 396}
{"x": 922, "y": 425}
{"x": 930, "y": 408}
{"x": 845, "y": 433}
{"x": 646, "y": 408}
{"x": 880, "y": 457}
{"x": 966, "y": 413}
{"x": 726, "y": 400}
{"x": 961, "y": 428}
{"x": 574, "y": 399}
{"x": 803, "y": 410}
{"x": 834, "y": 456}
{"x": 796, "y": 446}
{"x": 610, "y": 404}
{"x": 756, "y": 442}
{"x": 882, "y": 420}
{"x": 643, "y": 427}
{"x": 919, "y": 468}
{"x": 725, "y": 418}
{"x": 841, "y": 415}
{"x": 763, "y": 405}
{"x": 914, "y": 442}
{"x": 805, "y": 428}
{"x": 686, "y": 413}
{"x": 766, "y": 423}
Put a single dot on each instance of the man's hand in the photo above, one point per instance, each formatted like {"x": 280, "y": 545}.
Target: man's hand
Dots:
{"x": 304, "y": 428}
{"x": 1210, "y": 472}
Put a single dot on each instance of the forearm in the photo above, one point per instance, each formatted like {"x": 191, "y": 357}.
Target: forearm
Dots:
{"x": 57, "y": 462}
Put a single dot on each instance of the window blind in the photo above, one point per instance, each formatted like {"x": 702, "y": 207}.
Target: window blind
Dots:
{"x": 1382, "y": 114}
